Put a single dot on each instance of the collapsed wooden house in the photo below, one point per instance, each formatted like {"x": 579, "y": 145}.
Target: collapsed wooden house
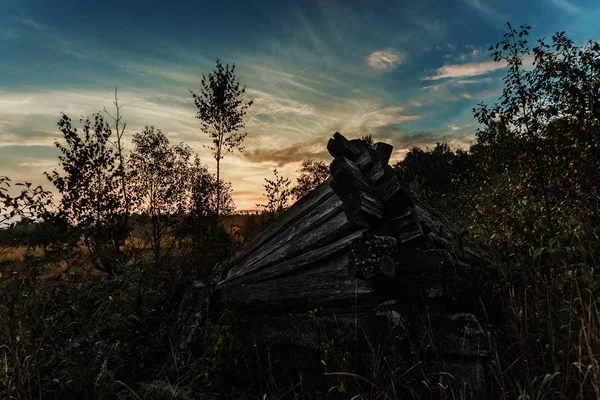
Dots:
{"x": 360, "y": 256}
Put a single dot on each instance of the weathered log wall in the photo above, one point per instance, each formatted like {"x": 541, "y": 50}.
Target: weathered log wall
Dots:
{"x": 370, "y": 257}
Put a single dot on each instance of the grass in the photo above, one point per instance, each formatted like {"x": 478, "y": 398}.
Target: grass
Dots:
{"x": 542, "y": 327}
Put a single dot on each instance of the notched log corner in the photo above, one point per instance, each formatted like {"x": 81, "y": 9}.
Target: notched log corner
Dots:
{"x": 361, "y": 177}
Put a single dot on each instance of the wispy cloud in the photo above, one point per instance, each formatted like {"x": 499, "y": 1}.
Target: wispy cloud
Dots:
{"x": 566, "y": 5}
{"x": 384, "y": 60}
{"x": 473, "y": 81}
{"x": 485, "y": 9}
{"x": 289, "y": 154}
{"x": 465, "y": 70}
{"x": 38, "y": 164}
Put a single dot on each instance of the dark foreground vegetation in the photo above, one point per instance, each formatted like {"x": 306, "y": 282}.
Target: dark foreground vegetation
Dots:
{"x": 94, "y": 285}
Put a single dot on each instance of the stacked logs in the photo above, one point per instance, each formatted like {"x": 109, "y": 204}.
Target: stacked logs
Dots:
{"x": 368, "y": 256}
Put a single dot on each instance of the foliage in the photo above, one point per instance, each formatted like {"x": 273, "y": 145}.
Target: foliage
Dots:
{"x": 439, "y": 175}
{"x": 544, "y": 131}
{"x": 30, "y": 203}
{"x": 221, "y": 111}
{"x": 312, "y": 174}
{"x": 277, "y": 192}
{"x": 204, "y": 193}
{"x": 211, "y": 241}
{"x": 90, "y": 188}
{"x": 158, "y": 174}
{"x": 528, "y": 187}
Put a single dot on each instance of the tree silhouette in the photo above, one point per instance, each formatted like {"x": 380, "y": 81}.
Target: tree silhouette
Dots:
{"x": 544, "y": 129}
{"x": 277, "y": 192}
{"x": 118, "y": 145}
{"x": 312, "y": 174}
{"x": 157, "y": 175}
{"x": 221, "y": 111}
{"x": 90, "y": 187}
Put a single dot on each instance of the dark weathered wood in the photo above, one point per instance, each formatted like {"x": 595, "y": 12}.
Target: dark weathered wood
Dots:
{"x": 370, "y": 165}
{"x": 385, "y": 152}
{"x": 392, "y": 194}
{"x": 339, "y": 146}
{"x": 349, "y": 176}
{"x": 312, "y": 260}
{"x": 404, "y": 227}
{"x": 372, "y": 256}
{"x": 361, "y": 223}
{"x": 443, "y": 234}
{"x": 331, "y": 288}
{"x": 359, "y": 207}
{"x": 326, "y": 224}
{"x": 289, "y": 218}
{"x": 324, "y": 212}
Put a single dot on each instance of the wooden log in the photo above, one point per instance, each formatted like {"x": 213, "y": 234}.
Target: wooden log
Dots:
{"x": 395, "y": 198}
{"x": 349, "y": 176}
{"x": 373, "y": 256}
{"x": 443, "y": 234}
{"x": 280, "y": 245}
{"x": 370, "y": 165}
{"x": 331, "y": 288}
{"x": 339, "y": 146}
{"x": 405, "y": 227}
{"x": 359, "y": 207}
{"x": 385, "y": 152}
{"x": 298, "y": 211}
{"x": 312, "y": 260}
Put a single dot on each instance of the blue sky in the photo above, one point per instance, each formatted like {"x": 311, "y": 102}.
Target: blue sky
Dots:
{"x": 407, "y": 72}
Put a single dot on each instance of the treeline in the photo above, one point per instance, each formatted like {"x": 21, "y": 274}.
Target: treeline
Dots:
{"x": 528, "y": 186}
{"x": 531, "y": 175}
{"x": 175, "y": 197}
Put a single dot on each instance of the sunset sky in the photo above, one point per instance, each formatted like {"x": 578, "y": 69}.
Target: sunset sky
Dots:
{"x": 407, "y": 72}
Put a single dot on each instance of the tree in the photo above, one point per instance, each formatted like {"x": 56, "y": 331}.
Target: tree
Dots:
{"x": 30, "y": 205}
{"x": 158, "y": 173}
{"x": 544, "y": 129}
{"x": 221, "y": 111}
{"x": 277, "y": 194}
{"x": 89, "y": 187}
{"x": 204, "y": 192}
{"x": 442, "y": 176}
{"x": 312, "y": 174}
{"x": 118, "y": 145}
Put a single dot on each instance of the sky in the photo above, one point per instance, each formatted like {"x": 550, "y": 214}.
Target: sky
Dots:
{"x": 407, "y": 72}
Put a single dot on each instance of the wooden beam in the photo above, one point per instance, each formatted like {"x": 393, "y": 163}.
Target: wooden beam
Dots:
{"x": 339, "y": 146}
{"x": 385, "y": 152}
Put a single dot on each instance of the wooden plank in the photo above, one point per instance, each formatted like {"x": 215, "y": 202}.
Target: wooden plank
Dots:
{"x": 296, "y": 212}
{"x": 349, "y": 177}
{"x": 360, "y": 208}
{"x": 370, "y": 166}
{"x": 339, "y": 146}
{"x": 315, "y": 258}
{"x": 325, "y": 233}
{"x": 385, "y": 152}
{"x": 395, "y": 198}
{"x": 305, "y": 232}
{"x": 298, "y": 292}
